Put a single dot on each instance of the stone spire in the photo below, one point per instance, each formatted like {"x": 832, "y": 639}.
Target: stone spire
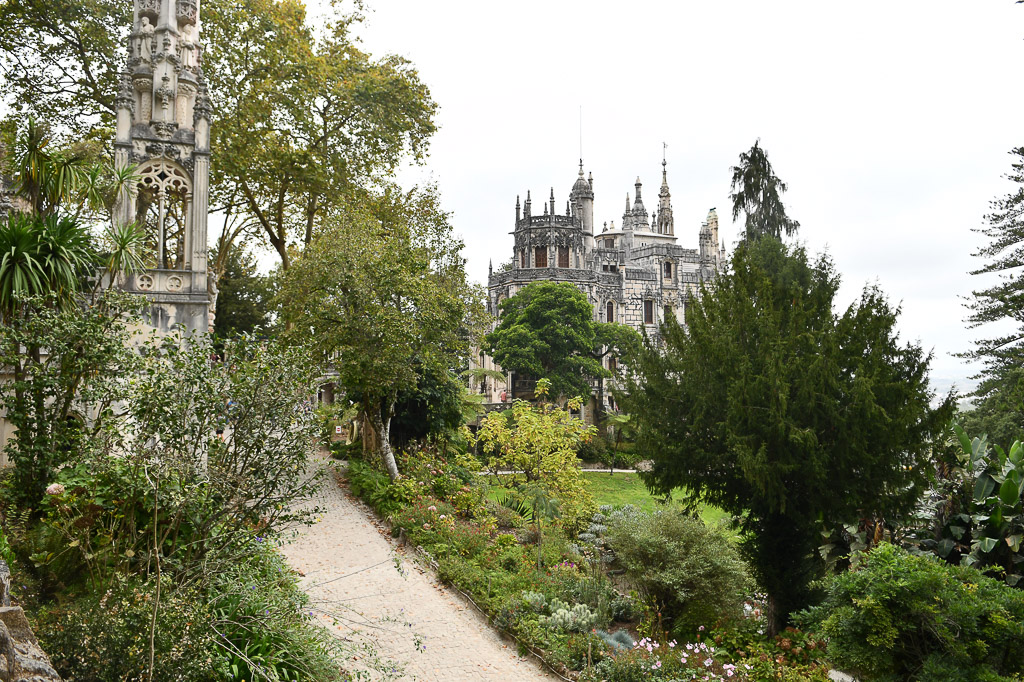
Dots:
{"x": 665, "y": 224}
{"x": 163, "y": 128}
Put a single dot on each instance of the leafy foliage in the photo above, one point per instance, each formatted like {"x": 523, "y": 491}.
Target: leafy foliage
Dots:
{"x": 382, "y": 293}
{"x": 980, "y": 516}
{"x": 755, "y": 192}
{"x": 548, "y": 330}
{"x": 103, "y": 635}
{"x": 67, "y": 363}
{"x": 692, "y": 574}
{"x": 912, "y": 617}
{"x": 767, "y": 398}
{"x": 538, "y": 444}
{"x": 160, "y": 472}
{"x": 244, "y": 298}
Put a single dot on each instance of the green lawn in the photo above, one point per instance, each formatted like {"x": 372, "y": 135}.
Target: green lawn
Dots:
{"x": 620, "y": 489}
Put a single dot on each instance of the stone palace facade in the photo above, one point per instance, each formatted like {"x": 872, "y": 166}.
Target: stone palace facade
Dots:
{"x": 633, "y": 274}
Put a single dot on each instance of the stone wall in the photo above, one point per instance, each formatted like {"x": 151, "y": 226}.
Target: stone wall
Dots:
{"x": 21, "y": 659}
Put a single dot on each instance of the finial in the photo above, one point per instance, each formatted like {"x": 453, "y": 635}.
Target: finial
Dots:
{"x": 552, "y": 194}
{"x": 567, "y": 212}
{"x": 527, "y": 196}
{"x": 545, "y": 209}
{"x": 517, "y": 201}
{"x": 581, "y": 168}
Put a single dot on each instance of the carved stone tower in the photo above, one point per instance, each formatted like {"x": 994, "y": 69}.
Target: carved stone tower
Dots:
{"x": 163, "y": 129}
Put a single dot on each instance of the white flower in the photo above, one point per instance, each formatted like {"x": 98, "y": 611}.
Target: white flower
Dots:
{"x": 54, "y": 489}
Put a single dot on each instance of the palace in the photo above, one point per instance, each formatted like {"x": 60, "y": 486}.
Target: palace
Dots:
{"x": 633, "y": 274}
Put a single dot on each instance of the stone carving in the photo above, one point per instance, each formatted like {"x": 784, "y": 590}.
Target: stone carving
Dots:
{"x": 165, "y": 94}
{"x": 149, "y": 8}
{"x": 144, "y": 282}
{"x": 174, "y": 283}
{"x": 186, "y": 47}
{"x": 188, "y": 11}
{"x": 146, "y": 31}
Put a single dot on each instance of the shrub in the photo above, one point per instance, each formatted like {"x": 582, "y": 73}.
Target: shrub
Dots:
{"x": 691, "y": 572}
{"x": 375, "y": 488}
{"x": 104, "y": 636}
{"x": 901, "y": 616}
{"x": 264, "y": 625}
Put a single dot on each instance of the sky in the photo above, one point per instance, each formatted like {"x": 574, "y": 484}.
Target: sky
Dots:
{"x": 890, "y": 121}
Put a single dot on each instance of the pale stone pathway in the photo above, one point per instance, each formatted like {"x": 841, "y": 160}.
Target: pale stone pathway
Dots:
{"x": 347, "y": 559}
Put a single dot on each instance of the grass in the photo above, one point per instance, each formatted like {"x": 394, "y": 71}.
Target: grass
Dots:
{"x": 619, "y": 489}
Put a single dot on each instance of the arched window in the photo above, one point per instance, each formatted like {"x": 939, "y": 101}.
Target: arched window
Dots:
{"x": 610, "y": 312}
{"x": 162, "y": 207}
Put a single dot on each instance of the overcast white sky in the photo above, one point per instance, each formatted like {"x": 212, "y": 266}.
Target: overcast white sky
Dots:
{"x": 889, "y": 119}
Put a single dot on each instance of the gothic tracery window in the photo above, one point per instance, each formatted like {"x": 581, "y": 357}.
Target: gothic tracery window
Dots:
{"x": 162, "y": 208}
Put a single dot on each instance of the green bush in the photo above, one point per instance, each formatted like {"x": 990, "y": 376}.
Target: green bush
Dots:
{"x": 374, "y": 486}
{"x": 905, "y": 617}
{"x": 692, "y": 573}
{"x": 594, "y": 450}
{"x": 104, "y": 636}
{"x": 264, "y": 624}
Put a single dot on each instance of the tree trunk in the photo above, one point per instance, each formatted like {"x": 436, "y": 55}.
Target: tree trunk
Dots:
{"x": 383, "y": 428}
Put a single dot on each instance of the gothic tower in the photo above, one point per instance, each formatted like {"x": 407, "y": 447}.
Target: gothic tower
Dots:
{"x": 666, "y": 225}
{"x": 163, "y": 129}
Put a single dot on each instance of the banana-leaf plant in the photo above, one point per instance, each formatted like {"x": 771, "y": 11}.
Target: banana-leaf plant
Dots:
{"x": 985, "y": 525}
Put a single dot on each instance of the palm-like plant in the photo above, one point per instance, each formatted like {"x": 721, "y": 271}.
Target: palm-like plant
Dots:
{"x": 20, "y": 271}
{"x": 125, "y": 243}
{"x": 39, "y": 256}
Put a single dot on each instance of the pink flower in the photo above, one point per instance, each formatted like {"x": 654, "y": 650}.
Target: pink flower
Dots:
{"x": 708, "y": 662}
{"x": 431, "y": 508}
{"x": 54, "y": 489}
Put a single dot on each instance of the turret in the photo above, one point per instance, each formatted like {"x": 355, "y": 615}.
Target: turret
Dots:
{"x": 526, "y": 206}
{"x": 551, "y": 202}
{"x": 582, "y": 196}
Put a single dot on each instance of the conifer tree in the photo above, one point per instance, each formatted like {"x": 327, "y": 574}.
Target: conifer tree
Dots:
{"x": 771, "y": 406}
{"x": 755, "y": 192}
{"x": 1000, "y": 412}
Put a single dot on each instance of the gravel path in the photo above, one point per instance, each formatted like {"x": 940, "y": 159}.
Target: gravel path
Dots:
{"x": 347, "y": 559}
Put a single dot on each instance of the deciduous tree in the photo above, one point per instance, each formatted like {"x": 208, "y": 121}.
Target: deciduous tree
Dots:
{"x": 774, "y": 407}
{"x": 547, "y": 330}
{"x": 382, "y": 292}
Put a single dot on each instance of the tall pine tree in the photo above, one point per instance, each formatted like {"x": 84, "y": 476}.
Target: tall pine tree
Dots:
{"x": 1000, "y": 411}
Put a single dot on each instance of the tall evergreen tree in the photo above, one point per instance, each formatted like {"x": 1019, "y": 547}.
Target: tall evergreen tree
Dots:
{"x": 1001, "y": 390}
{"x": 755, "y": 192}
{"x": 773, "y": 407}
